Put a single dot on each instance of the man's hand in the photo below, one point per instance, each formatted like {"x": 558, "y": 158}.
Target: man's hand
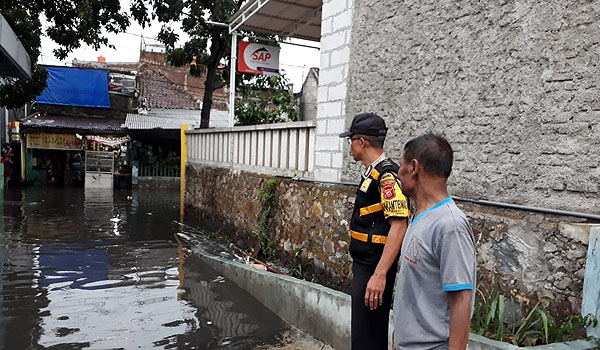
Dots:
{"x": 374, "y": 292}
{"x": 376, "y": 284}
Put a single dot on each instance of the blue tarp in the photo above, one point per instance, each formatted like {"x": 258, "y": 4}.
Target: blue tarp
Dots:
{"x": 69, "y": 86}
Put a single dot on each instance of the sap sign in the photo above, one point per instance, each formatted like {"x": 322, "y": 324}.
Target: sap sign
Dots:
{"x": 258, "y": 59}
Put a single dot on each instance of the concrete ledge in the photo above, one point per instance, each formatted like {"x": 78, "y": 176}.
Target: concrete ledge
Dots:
{"x": 571, "y": 345}
{"x": 324, "y": 312}
{"x": 320, "y": 311}
{"x": 478, "y": 342}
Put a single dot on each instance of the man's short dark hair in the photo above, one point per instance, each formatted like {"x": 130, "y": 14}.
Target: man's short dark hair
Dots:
{"x": 433, "y": 152}
{"x": 375, "y": 141}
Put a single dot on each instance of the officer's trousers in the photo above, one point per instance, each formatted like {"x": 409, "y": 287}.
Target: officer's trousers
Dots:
{"x": 370, "y": 328}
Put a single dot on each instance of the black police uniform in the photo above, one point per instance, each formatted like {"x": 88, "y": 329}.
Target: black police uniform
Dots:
{"x": 378, "y": 198}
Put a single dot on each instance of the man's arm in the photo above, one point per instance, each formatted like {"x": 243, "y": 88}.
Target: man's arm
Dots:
{"x": 376, "y": 284}
{"x": 460, "y": 318}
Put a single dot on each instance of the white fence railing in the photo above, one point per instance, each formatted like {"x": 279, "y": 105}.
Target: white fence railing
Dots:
{"x": 276, "y": 149}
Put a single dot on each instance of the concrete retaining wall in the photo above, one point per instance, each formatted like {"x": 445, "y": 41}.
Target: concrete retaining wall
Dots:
{"x": 321, "y": 311}
{"x": 324, "y": 312}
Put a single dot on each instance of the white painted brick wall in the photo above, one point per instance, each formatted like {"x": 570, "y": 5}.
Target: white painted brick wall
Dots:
{"x": 329, "y": 109}
{"x": 323, "y": 159}
{"x": 335, "y": 125}
{"x": 337, "y": 92}
{"x": 331, "y": 75}
{"x": 325, "y": 59}
{"x": 333, "y": 7}
{"x": 328, "y": 143}
{"x": 336, "y": 29}
{"x": 326, "y": 174}
{"x": 337, "y": 159}
{"x": 342, "y": 20}
{"x": 339, "y": 56}
{"x": 322, "y": 93}
{"x": 322, "y": 126}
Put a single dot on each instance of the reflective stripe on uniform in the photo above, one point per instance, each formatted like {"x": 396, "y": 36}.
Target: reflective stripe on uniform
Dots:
{"x": 365, "y": 237}
{"x": 371, "y": 209}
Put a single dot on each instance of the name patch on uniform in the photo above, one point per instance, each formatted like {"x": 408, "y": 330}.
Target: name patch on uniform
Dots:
{"x": 395, "y": 206}
{"x": 365, "y": 185}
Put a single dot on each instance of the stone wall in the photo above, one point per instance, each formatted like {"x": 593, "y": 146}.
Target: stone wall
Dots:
{"x": 529, "y": 255}
{"x": 311, "y": 218}
{"x": 513, "y": 85}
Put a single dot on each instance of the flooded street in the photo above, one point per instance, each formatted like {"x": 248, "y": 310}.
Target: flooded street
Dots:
{"x": 97, "y": 270}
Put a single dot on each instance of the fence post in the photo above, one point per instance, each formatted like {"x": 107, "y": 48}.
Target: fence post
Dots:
{"x": 184, "y": 127}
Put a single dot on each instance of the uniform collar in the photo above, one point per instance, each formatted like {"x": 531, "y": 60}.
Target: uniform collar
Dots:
{"x": 370, "y": 168}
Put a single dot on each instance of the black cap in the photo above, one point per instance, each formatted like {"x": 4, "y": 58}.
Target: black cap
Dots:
{"x": 366, "y": 124}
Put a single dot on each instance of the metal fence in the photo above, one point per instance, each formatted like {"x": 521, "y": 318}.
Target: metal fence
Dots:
{"x": 158, "y": 169}
{"x": 276, "y": 149}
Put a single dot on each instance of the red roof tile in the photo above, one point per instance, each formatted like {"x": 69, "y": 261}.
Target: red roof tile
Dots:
{"x": 160, "y": 92}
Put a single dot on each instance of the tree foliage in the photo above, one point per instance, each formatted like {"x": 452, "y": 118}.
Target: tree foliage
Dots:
{"x": 69, "y": 23}
{"x": 264, "y": 99}
{"x": 208, "y": 50}
{"x": 208, "y": 46}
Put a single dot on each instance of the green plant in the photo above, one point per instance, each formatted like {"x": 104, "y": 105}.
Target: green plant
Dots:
{"x": 297, "y": 270}
{"x": 264, "y": 100}
{"x": 266, "y": 231}
{"x": 537, "y": 328}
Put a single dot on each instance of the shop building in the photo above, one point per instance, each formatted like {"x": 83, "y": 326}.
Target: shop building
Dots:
{"x": 75, "y": 118}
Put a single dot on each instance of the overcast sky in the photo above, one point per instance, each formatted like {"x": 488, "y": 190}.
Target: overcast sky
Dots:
{"x": 294, "y": 60}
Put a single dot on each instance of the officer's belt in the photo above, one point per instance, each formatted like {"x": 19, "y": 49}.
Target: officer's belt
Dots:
{"x": 371, "y": 209}
{"x": 365, "y": 237}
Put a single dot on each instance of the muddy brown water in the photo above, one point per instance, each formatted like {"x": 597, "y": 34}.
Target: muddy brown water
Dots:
{"x": 102, "y": 270}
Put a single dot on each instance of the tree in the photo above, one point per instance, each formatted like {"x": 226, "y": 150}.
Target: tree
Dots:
{"x": 69, "y": 23}
{"x": 208, "y": 47}
{"x": 264, "y": 99}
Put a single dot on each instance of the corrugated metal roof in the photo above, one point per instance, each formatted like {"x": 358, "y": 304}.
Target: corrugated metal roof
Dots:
{"x": 162, "y": 119}
{"x": 78, "y": 123}
{"x": 287, "y": 18}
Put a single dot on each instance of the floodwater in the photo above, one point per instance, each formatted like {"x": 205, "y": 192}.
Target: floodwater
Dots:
{"x": 102, "y": 270}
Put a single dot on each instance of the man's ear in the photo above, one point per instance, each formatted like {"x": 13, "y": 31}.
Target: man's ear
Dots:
{"x": 414, "y": 166}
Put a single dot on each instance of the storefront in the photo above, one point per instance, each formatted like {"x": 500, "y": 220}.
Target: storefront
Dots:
{"x": 54, "y": 158}
{"x": 56, "y": 149}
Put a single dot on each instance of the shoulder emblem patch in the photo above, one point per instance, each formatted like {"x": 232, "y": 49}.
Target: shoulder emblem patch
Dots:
{"x": 387, "y": 187}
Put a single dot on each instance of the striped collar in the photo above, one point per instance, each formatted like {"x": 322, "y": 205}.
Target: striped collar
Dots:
{"x": 439, "y": 204}
{"x": 370, "y": 168}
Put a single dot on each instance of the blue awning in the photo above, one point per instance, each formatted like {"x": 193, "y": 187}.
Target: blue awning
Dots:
{"x": 69, "y": 86}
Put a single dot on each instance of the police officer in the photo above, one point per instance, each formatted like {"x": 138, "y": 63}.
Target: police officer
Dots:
{"x": 377, "y": 227}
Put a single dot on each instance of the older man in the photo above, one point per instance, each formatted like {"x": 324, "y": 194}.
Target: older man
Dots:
{"x": 436, "y": 282}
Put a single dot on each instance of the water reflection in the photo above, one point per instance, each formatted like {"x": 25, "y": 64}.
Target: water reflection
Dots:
{"x": 95, "y": 270}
